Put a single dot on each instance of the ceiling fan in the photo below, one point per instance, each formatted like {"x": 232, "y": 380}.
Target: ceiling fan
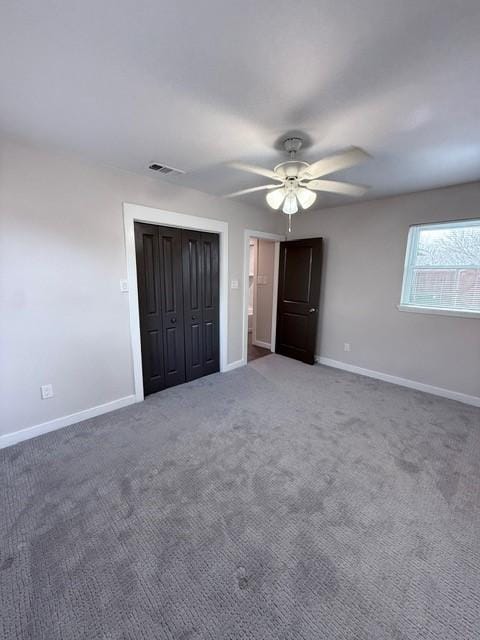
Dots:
{"x": 298, "y": 182}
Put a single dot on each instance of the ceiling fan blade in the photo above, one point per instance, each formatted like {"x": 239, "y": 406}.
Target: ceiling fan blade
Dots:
{"x": 251, "y": 168}
{"x": 332, "y": 186}
{"x": 251, "y": 190}
{"x": 334, "y": 163}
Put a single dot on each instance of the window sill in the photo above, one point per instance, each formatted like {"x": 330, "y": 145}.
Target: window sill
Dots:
{"x": 438, "y": 312}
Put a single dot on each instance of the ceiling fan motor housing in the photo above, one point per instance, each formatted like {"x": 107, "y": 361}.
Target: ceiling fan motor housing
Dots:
{"x": 292, "y": 145}
{"x": 290, "y": 168}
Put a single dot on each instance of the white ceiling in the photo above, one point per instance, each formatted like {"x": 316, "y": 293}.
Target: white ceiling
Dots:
{"x": 196, "y": 84}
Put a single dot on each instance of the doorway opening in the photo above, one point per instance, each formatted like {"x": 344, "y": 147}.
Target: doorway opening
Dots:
{"x": 260, "y": 296}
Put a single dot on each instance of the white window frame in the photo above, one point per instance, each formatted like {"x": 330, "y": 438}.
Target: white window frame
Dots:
{"x": 412, "y": 244}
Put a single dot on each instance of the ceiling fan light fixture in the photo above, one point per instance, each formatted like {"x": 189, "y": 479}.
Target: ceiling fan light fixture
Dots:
{"x": 275, "y": 198}
{"x": 290, "y": 206}
{"x": 306, "y": 197}
{"x": 299, "y": 181}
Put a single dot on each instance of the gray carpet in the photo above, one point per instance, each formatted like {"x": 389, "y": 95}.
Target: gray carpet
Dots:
{"x": 278, "y": 501}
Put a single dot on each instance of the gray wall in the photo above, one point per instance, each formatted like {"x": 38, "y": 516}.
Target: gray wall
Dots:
{"x": 64, "y": 321}
{"x": 363, "y": 267}
{"x": 264, "y": 301}
{"x": 63, "y": 318}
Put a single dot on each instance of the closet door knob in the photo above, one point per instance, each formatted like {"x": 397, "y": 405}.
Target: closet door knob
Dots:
{"x": 194, "y": 317}
{"x": 173, "y": 320}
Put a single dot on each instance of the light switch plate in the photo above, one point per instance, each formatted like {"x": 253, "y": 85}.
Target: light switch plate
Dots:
{"x": 46, "y": 391}
{"x": 234, "y": 284}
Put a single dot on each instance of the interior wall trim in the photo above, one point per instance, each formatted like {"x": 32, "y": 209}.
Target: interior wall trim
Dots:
{"x": 264, "y": 345}
{"x": 10, "y": 439}
{"x": 139, "y": 213}
{"x": 234, "y": 365}
{"x": 403, "y": 382}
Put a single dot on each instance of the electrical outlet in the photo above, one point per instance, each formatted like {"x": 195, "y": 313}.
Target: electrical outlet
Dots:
{"x": 346, "y": 346}
{"x": 124, "y": 286}
{"x": 46, "y": 391}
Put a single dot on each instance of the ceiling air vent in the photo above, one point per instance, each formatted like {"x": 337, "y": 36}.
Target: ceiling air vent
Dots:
{"x": 164, "y": 170}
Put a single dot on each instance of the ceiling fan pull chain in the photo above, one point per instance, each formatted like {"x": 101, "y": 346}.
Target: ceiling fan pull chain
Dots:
{"x": 289, "y": 224}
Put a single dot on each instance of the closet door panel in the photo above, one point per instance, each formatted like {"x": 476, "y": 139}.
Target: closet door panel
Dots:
{"x": 170, "y": 241}
{"x": 209, "y": 342}
{"x": 201, "y": 301}
{"x": 210, "y": 281}
{"x": 149, "y": 302}
{"x": 178, "y": 290}
{"x": 196, "y": 355}
{"x": 192, "y": 300}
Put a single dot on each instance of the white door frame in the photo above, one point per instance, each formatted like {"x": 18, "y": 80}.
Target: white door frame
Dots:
{"x": 138, "y": 213}
{"x": 255, "y": 289}
{"x": 262, "y": 235}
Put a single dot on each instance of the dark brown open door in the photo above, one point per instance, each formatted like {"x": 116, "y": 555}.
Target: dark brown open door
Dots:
{"x": 298, "y": 298}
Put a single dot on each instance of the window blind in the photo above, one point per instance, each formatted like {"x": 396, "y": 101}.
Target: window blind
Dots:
{"x": 442, "y": 266}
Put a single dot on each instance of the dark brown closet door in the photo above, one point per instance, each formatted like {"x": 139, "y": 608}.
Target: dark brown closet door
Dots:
{"x": 158, "y": 253}
{"x": 149, "y": 297}
{"x": 170, "y": 241}
{"x": 298, "y": 298}
{"x": 210, "y": 282}
{"x": 201, "y": 303}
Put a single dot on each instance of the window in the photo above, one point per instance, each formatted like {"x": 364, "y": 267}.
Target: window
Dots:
{"x": 442, "y": 269}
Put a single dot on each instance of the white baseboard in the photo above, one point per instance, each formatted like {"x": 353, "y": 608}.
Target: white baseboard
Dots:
{"x": 403, "y": 382}
{"x": 259, "y": 343}
{"x": 9, "y": 439}
{"x": 234, "y": 365}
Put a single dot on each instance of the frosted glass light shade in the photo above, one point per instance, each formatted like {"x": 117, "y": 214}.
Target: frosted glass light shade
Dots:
{"x": 275, "y": 198}
{"x": 306, "y": 197}
{"x": 290, "y": 205}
